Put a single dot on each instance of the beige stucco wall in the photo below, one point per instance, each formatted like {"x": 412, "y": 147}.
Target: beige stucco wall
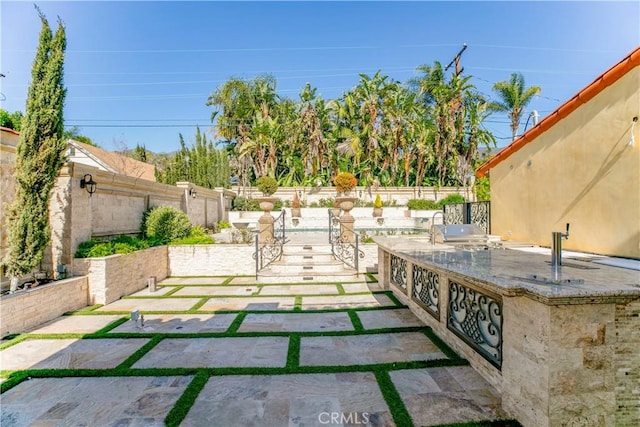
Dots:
{"x": 581, "y": 171}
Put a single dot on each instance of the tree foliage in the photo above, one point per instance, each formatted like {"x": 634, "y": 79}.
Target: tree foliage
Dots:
{"x": 39, "y": 155}
{"x": 424, "y": 133}
{"x": 514, "y": 98}
{"x": 201, "y": 164}
{"x": 11, "y": 120}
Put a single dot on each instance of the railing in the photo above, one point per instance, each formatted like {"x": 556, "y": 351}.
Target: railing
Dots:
{"x": 342, "y": 248}
{"x": 270, "y": 251}
{"x": 478, "y": 213}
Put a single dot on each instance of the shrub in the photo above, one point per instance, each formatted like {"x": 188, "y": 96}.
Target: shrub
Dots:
{"x": 119, "y": 245}
{"x": 223, "y": 224}
{"x": 267, "y": 185}
{"x": 345, "y": 182}
{"x": 198, "y": 236}
{"x": 452, "y": 198}
{"x": 245, "y": 204}
{"x": 423, "y": 204}
{"x": 167, "y": 223}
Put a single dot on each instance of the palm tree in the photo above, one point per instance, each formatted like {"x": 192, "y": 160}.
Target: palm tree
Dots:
{"x": 514, "y": 99}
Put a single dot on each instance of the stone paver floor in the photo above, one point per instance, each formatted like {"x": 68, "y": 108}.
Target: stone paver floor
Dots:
{"x": 251, "y": 354}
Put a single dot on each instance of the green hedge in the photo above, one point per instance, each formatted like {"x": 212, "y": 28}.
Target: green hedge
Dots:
{"x": 166, "y": 223}
{"x": 120, "y": 245}
{"x": 423, "y": 204}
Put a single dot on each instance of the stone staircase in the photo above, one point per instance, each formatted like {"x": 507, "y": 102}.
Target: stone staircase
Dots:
{"x": 307, "y": 262}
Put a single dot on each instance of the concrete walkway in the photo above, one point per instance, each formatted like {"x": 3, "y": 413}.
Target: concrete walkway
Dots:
{"x": 214, "y": 353}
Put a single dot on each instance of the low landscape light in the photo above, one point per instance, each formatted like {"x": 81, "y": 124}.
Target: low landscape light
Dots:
{"x": 193, "y": 193}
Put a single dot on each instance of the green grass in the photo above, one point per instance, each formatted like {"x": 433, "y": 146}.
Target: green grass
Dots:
{"x": 186, "y": 401}
{"x": 340, "y": 288}
{"x": 355, "y": 320}
{"x": 390, "y": 394}
{"x": 233, "y": 327}
{"x": 488, "y": 423}
{"x": 293, "y": 355}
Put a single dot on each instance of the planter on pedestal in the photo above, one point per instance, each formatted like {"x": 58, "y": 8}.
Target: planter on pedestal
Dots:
{"x": 265, "y": 222}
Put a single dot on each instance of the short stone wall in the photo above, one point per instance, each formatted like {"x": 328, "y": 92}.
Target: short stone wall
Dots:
{"x": 115, "y": 276}
{"x": 211, "y": 260}
{"x": 24, "y": 310}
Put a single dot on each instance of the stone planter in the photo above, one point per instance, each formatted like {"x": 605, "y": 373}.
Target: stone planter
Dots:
{"x": 266, "y": 203}
{"x": 35, "y": 306}
{"x": 377, "y": 212}
{"x": 296, "y": 212}
{"x": 346, "y": 203}
{"x": 115, "y": 276}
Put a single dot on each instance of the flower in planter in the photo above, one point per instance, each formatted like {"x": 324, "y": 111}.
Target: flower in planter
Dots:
{"x": 267, "y": 185}
{"x": 295, "y": 203}
{"x": 345, "y": 182}
{"x": 378, "y": 202}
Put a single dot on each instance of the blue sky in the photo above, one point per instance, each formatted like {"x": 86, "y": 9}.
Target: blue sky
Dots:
{"x": 141, "y": 72}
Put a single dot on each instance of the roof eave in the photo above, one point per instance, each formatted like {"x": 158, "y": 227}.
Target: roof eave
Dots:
{"x": 603, "y": 81}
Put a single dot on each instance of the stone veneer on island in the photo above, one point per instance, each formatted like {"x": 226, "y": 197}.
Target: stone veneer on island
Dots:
{"x": 563, "y": 353}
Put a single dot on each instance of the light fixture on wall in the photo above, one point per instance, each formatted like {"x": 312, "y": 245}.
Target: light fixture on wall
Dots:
{"x": 632, "y": 138}
{"x": 88, "y": 184}
{"x": 193, "y": 193}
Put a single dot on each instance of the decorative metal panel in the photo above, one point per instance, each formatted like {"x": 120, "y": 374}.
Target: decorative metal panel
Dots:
{"x": 426, "y": 290}
{"x": 399, "y": 271}
{"x": 481, "y": 215}
{"x": 454, "y": 213}
{"x": 477, "y": 319}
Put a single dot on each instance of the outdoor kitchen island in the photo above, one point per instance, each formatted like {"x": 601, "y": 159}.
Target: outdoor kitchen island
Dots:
{"x": 561, "y": 345}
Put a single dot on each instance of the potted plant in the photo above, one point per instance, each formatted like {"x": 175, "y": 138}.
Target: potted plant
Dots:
{"x": 377, "y": 206}
{"x": 295, "y": 206}
{"x": 267, "y": 186}
{"x": 345, "y": 182}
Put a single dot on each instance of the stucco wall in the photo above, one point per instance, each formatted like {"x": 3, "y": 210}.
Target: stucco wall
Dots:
{"x": 581, "y": 171}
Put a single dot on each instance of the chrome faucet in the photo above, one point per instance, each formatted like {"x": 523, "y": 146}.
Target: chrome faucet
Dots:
{"x": 444, "y": 222}
{"x": 556, "y": 251}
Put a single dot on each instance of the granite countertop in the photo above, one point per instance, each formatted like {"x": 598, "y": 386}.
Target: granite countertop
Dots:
{"x": 510, "y": 272}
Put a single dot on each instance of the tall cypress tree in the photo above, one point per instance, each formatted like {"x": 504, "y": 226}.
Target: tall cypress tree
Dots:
{"x": 39, "y": 156}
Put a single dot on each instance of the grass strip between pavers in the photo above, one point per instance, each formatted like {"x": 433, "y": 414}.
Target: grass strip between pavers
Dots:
{"x": 15, "y": 377}
{"x": 173, "y": 291}
{"x": 340, "y": 288}
{"x": 111, "y": 326}
{"x": 293, "y": 354}
{"x": 371, "y": 278}
{"x": 297, "y": 305}
{"x": 395, "y": 300}
{"x": 86, "y": 310}
{"x": 390, "y": 394}
{"x": 355, "y": 320}
{"x": 283, "y": 311}
{"x": 443, "y": 346}
{"x": 487, "y": 423}
{"x": 186, "y": 401}
{"x": 235, "y": 325}
{"x": 139, "y": 353}
{"x": 197, "y": 305}
{"x": 256, "y": 293}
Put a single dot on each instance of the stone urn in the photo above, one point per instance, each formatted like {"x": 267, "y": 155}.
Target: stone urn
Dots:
{"x": 267, "y": 203}
{"x": 377, "y": 212}
{"x": 346, "y": 203}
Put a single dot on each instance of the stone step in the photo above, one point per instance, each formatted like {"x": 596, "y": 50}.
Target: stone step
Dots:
{"x": 297, "y": 268}
{"x": 311, "y": 257}
{"x": 268, "y": 276}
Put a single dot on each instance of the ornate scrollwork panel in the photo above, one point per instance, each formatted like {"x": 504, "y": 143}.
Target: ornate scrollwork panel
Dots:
{"x": 480, "y": 215}
{"x": 477, "y": 319}
{"x": 399, "y": 272}
{"x": 426, "y": 291}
